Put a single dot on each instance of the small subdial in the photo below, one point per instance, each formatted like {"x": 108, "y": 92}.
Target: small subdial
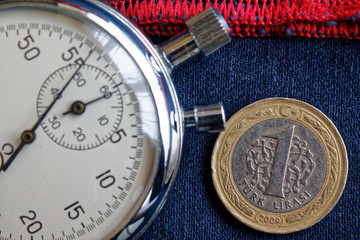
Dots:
{"x": 87, "y": 113}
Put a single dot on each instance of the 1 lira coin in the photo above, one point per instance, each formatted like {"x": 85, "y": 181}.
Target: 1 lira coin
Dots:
{"x": 280, "y": 166}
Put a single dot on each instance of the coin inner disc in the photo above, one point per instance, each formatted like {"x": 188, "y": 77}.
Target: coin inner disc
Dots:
{"x": 278, "y": 165}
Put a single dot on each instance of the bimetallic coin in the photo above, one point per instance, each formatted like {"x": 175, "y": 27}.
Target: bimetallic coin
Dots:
{"x": 280, "y": 166}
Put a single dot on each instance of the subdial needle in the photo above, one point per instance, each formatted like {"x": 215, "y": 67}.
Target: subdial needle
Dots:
{"x": 78, "y": 107}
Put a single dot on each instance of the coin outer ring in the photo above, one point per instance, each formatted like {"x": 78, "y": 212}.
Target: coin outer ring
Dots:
{"x": 323, "y": 201}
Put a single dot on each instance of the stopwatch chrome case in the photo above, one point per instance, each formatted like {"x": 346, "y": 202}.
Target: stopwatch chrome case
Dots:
{"x": 88, "y": 56}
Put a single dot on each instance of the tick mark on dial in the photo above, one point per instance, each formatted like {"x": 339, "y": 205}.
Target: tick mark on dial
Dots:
{"x": 61, "y": 139}
{"x": 97, "y": 137}
{"x": 97, "y": 75}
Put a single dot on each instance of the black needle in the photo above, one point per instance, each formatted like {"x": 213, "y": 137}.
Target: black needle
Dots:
{"x": 78, "y": 107}
{"x": 28, "y": 136}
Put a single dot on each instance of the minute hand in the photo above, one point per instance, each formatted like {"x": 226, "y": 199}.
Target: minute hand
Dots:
{"x": 78, "y": 107}
{"x": 28, "y": 136}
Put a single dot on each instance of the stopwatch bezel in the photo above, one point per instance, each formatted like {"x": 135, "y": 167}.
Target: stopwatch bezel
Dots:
{"x": 157, "y": 73}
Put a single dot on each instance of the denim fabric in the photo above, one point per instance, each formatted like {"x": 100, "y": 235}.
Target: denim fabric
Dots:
{"x": 322, "y": 72}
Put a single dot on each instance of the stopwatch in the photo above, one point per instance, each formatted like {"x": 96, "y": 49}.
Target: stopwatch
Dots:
{"x": 91, "y": 127}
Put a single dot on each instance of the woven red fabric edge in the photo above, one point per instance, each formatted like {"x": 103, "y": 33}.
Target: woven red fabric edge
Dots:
{"x": 250, "y": 18}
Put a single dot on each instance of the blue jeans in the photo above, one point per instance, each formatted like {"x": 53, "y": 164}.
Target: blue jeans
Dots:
{"x": 322, "y": 72}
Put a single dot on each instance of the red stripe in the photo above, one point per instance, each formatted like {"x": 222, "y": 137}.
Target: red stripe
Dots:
{"x": 251, "y": 18}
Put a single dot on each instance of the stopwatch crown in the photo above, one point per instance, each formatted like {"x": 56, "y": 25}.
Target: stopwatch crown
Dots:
{"x": 209, "y": 30}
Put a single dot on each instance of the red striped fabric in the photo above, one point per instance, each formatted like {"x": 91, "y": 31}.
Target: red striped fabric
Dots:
{"x": 250, "y": 18}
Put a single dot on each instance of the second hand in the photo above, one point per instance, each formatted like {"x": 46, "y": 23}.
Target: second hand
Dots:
{"x": 28, "y": 136}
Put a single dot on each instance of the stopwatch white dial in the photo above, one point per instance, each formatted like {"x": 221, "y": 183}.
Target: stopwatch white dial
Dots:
{"x": 87, "y": 171}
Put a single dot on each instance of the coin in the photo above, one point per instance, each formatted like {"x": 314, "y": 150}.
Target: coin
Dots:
{"x": 280, "y": 166}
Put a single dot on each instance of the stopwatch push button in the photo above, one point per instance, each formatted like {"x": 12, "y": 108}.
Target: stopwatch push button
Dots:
{"x": 207, "y": 118}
